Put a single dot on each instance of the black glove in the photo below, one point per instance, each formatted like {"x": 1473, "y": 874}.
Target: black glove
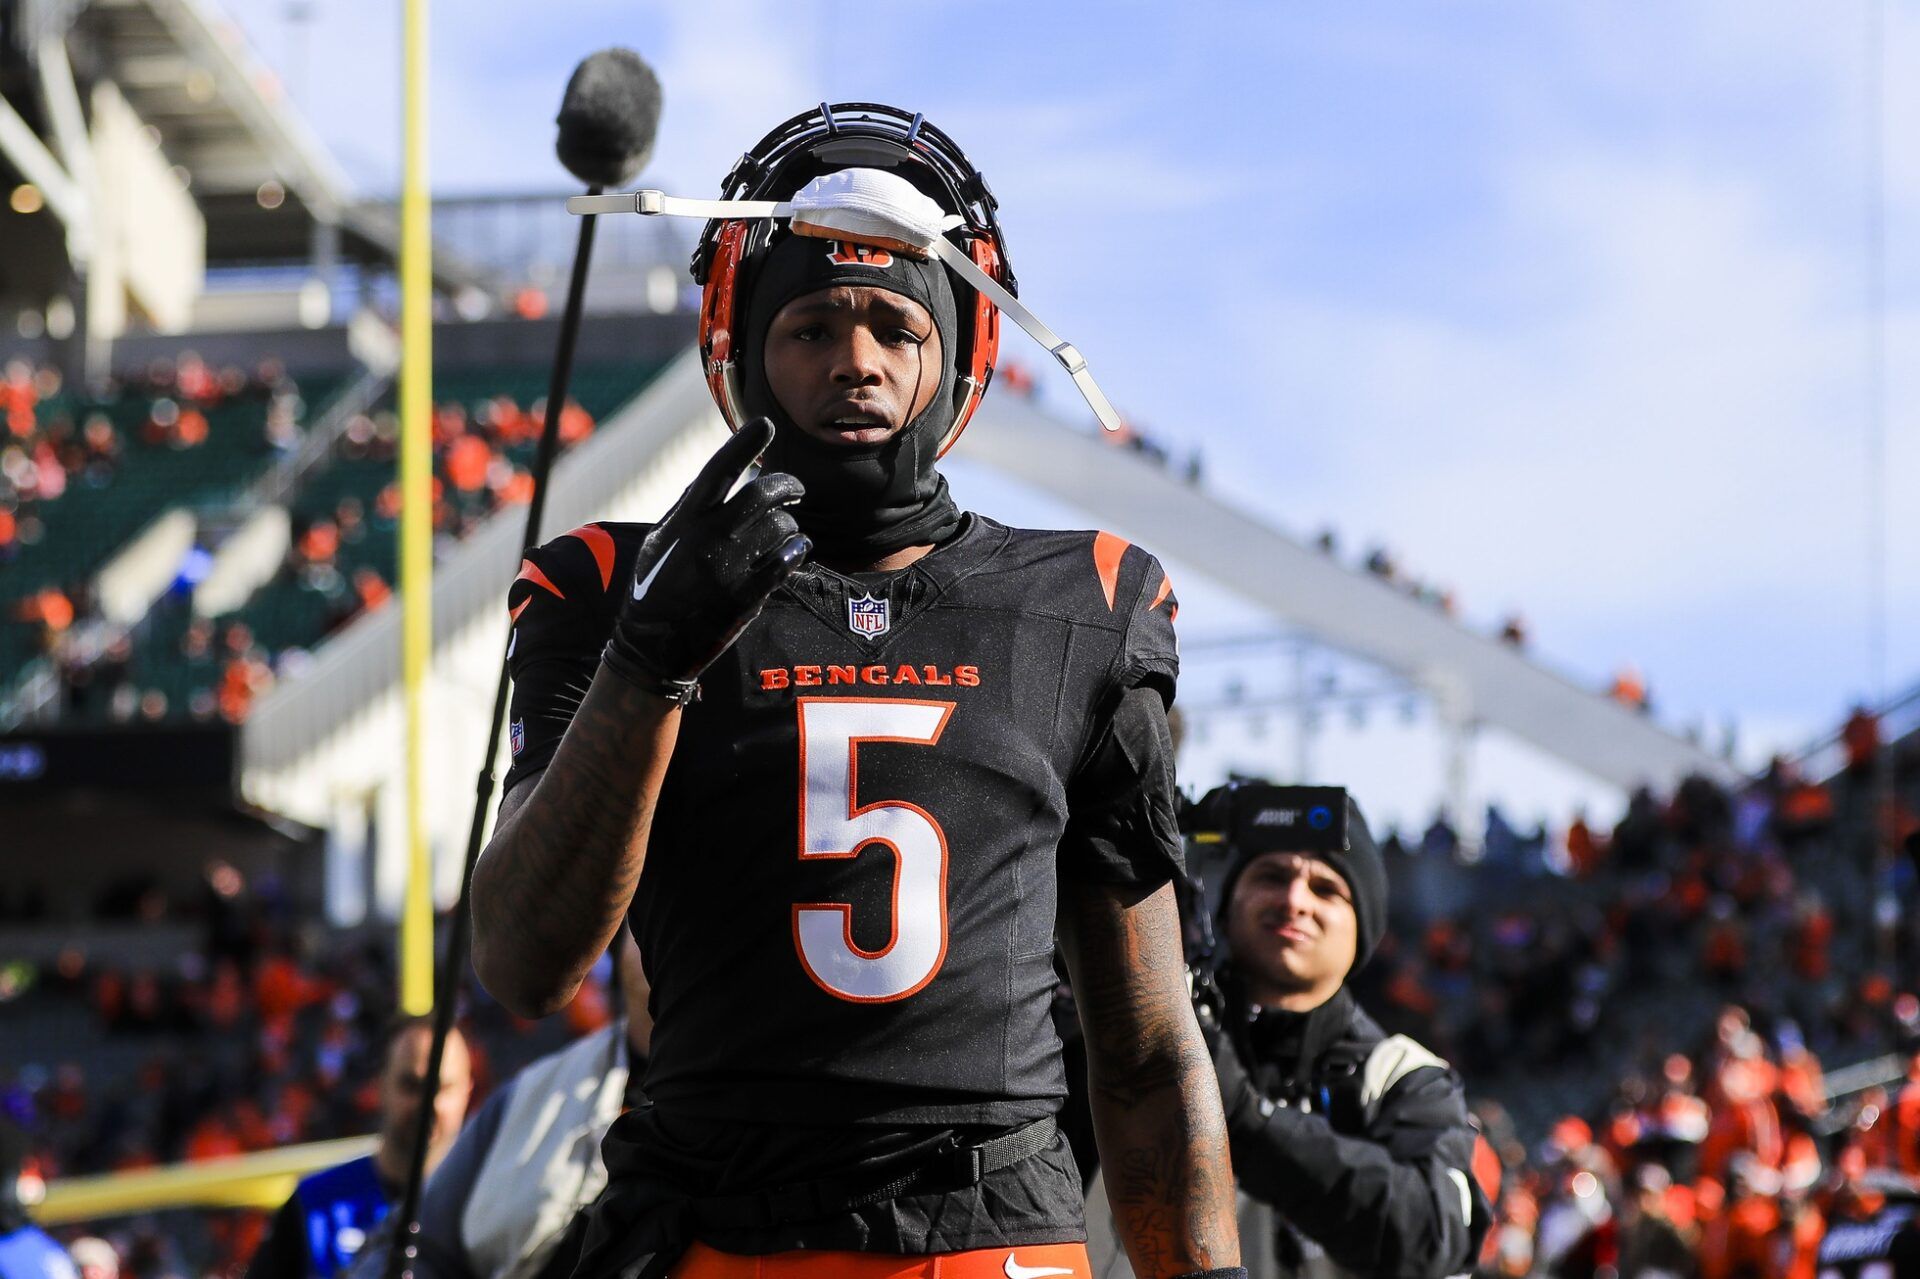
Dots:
{"x": 706, "y": 570}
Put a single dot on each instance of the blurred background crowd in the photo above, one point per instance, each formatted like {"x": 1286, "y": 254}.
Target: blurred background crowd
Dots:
{"x": 65, "y": 457}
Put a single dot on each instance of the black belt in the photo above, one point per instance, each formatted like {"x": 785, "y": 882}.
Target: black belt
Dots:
{"x": 952, "y": 1165}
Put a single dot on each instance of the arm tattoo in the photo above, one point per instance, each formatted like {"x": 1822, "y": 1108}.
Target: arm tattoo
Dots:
{"x": 1156, "y": 1106}
{"x": 559, "y": 874}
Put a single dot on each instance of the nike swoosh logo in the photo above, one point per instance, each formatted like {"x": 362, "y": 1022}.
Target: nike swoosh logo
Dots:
{"x": 640, "y": 587}
{"x": 1017, "y": 1271}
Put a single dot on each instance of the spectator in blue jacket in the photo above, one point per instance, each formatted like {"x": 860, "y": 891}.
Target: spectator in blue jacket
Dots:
{"x": 317, "y": 1232}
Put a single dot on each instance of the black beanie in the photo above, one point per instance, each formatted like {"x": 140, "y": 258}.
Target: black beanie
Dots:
{"x": 861, "y": 501}
{"x": 1255, "y": 818}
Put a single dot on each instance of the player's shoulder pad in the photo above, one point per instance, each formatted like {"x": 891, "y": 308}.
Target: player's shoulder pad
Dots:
{"x": 1130, "y": 576}
{"x": 1102, "y": 574}
{"x": 580, "y": 567}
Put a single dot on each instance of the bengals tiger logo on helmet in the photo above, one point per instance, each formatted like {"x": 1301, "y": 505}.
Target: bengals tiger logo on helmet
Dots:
{"x": 847, "y": 253}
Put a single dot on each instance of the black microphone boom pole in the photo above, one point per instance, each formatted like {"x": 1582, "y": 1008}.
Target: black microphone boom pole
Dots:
{"x": 607, "y": 123}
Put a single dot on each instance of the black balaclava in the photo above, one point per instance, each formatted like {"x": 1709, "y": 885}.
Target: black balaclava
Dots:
{"x": 862, "y": 502}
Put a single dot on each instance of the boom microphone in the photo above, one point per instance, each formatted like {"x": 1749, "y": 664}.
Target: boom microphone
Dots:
{"x": 608, "y": 118}
{"x": 607, "y": 121}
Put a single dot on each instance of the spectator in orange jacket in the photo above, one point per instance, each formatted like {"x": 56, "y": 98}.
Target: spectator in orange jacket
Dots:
{"x": 1747, "y": 1123}
{"x": 1741, "y": 1241}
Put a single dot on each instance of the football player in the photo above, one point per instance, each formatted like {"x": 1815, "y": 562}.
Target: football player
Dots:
{"x": 851, "y": 759}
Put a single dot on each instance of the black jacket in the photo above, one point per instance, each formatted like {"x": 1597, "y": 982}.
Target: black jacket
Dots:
{"x": 1352, "y": 1150}
{"x": 1358, "y": 1141}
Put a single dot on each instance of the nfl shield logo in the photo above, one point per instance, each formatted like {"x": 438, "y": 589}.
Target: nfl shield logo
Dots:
{"x": 517, "y": 736}
{"x": 867, "y": 615}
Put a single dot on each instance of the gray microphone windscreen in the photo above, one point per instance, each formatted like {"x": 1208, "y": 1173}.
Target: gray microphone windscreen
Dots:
{"x": 608, "y": 118}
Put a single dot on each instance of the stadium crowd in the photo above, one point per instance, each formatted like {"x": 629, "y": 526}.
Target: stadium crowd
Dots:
{"x": 1769, "y": 896}
{"x": 55, "y": 440}
{"x": 340, "y": 556}
{"x": 1655, "y": 1010}
{"x": 255, "y": 1036}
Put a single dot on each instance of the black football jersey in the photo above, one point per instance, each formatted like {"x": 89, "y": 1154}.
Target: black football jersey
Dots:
{"x": 1884, "y": 1245}
{"x": 848, "y": 903}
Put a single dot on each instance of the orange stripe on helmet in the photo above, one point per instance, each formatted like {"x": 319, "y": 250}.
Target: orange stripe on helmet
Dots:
{"x": 1107, "y": 551}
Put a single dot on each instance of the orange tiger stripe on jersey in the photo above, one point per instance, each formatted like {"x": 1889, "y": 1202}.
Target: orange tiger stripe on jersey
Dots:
{"x": 1107, "y": 552}
{"x": 1067, "y": 1260}
{"x": 600, "y": 542}
{"x": 1166, "y": 589}
{"x": 530, "y": 572}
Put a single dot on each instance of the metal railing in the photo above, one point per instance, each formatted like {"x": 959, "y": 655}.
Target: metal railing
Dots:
{"x": 278, "y": 484}
{"x": 1851, "y": 1081}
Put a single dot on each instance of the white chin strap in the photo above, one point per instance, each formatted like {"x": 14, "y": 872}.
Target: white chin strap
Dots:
{"x": 873, "y": 207}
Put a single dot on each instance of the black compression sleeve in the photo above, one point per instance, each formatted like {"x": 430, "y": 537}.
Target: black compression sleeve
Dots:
{"x": 1122, "y": 822}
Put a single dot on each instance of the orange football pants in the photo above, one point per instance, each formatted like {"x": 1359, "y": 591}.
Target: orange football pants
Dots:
{"x": 1034, "y": 1261}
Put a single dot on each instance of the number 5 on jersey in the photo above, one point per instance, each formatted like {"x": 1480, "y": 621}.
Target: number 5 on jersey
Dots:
{"x": 833, "y": 824}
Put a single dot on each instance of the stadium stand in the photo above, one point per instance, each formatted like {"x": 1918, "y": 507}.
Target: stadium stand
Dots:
{"x": 82, "y": 475}
{"x": 1591, "y": 981}
{"x": 248, "y": 1036}
{"x": 344, "y": 516}
{"x": 1651, "y": 1021}
{"x": 173, "y": 663}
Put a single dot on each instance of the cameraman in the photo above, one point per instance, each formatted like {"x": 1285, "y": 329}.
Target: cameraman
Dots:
{"x": 1352, "y": 1149}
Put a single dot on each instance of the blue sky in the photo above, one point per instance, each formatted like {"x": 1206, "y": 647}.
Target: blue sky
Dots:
{"x": 1565, "y": 304}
